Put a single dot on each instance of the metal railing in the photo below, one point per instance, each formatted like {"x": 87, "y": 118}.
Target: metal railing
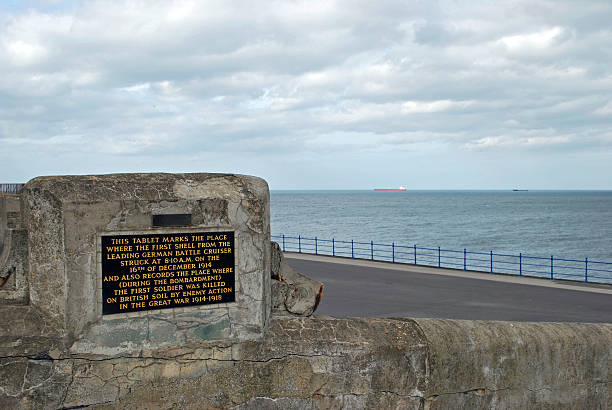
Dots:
{"x": 522, "y": 265}
{"x": 10, "y": 188}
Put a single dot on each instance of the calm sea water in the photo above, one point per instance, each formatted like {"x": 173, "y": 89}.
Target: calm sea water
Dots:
{"x": 567, "y": 224}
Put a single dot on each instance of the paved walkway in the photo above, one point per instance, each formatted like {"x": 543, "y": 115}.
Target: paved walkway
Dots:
{"x": 378, "y": 289}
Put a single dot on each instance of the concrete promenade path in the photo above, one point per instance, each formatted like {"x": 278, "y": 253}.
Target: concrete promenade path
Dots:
{"x": 355, "y": 287}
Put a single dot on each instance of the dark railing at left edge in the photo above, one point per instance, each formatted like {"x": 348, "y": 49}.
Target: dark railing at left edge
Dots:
{"x": 10, "y": 188}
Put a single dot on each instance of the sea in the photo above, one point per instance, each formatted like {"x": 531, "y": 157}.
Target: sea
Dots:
{"x": 566, "y": 224}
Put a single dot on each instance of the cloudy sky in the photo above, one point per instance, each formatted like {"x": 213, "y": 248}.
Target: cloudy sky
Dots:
{"x": 311, "y": 94}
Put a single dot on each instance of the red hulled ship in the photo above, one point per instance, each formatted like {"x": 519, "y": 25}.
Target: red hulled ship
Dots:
{"x": 402, "y": 188}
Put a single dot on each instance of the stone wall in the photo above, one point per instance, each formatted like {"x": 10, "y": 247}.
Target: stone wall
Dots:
{"x": 321, "y": 362}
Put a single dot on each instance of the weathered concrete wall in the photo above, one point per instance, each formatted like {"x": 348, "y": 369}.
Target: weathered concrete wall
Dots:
{"x": 65, "y": 217}
{"x": 325, "y": 363}
{"x": 10, "y": 215}
{"x": 506, "y": 365}
{"x": 13, "y": 253}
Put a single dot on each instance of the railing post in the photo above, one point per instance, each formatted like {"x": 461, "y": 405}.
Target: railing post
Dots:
{"x": 586, "y": 270}
{"x": 333, "y": 247}
{"x": 551, "y": 267}
{"x": 521, "y": 264}
{"x": 299, "y": 244}
{"x": 316, "y": 247}
{"x": 438, "y": 256}
{"x": 491, "y": 261}
{"x": 393, "y": 251}
{"x": 464, "y": 259}
{"x": 415, "y": 253}
{"x": 283, "y": 242}
{"x": 372, "y": 250}
{"x": 352, "y": 249}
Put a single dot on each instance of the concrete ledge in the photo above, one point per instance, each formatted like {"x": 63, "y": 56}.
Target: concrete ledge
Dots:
{"x": 475, "y": 364}
{"x": 323, "y": 362}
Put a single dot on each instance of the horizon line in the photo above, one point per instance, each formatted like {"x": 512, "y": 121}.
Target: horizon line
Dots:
{"x": 449, "y": 189}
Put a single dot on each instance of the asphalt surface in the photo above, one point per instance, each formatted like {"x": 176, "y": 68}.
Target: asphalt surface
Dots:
{"x": 371, "y": 289}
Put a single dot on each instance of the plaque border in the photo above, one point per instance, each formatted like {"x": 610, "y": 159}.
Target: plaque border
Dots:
{"x": 172, "y": 310}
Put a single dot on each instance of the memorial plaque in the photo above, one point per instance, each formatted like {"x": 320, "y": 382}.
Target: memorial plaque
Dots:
{"x": 160, "y": 271}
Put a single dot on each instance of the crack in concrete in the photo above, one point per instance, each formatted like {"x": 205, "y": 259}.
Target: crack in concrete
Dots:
{"x": 543, "y": 388}
{"x": 83, "y": 406}
{"x": 410, "y": 396}
{"x": 477, "y": 390}
{"x": 25, "y": 376}
{"x": 406, "y": 396}
{"x": 66, "y": 390}
{"x": 175, "y": 358}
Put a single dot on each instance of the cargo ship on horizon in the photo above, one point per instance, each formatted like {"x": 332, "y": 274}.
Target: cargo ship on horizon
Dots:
{"x": 402, "y": 188}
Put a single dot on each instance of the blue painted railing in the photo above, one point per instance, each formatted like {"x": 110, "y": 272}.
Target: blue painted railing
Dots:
{"x": 522, "y": 265}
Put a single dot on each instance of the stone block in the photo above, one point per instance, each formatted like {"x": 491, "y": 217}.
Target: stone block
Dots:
{"x": 67, "y": 216}
{"x": 292, "y": 292}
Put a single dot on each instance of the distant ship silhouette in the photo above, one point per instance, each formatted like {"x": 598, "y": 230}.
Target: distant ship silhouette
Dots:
{"x": 402, "y": 188}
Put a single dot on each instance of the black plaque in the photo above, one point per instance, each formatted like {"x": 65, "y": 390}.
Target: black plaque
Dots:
{"x": 172, "y": 220}
{"x": 160, "y": 271}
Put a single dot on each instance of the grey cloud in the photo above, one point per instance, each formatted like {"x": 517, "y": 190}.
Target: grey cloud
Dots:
{"x": 187, "y": 79}
{"x": 433, "y": 34}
